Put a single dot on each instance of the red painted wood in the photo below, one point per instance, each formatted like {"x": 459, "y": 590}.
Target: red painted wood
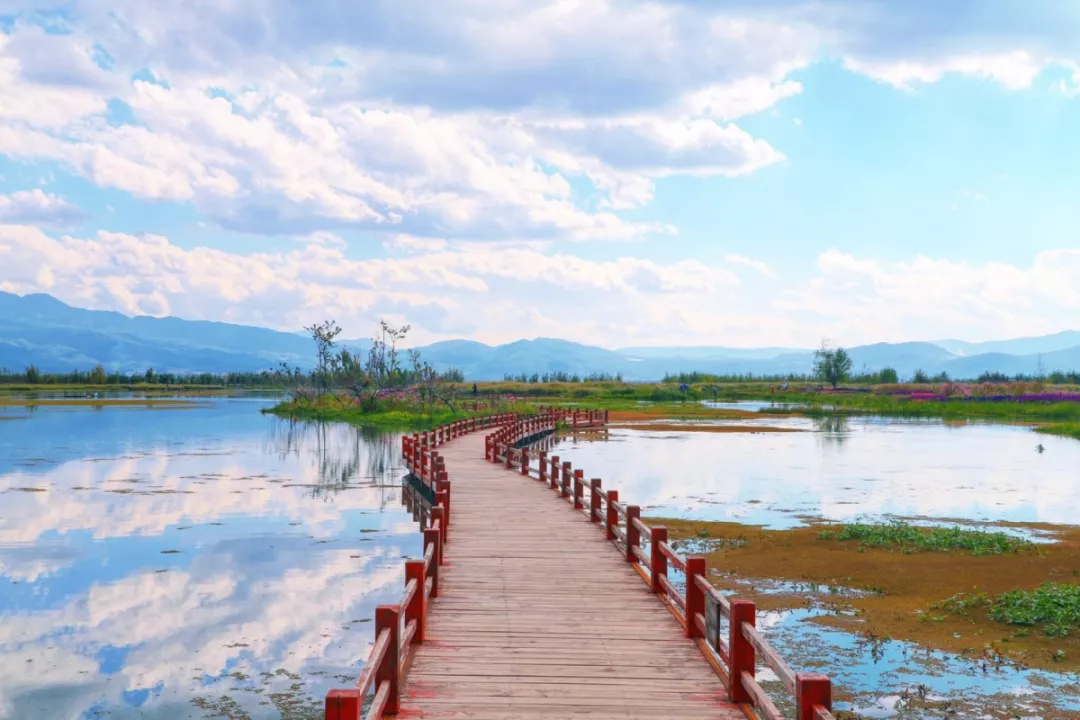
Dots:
{"x": 740, "y": 651}
{"x": 594, "y": 500}
{"x": 565, "y": 489}
{"x": 388, "y": 617}
{"x": 343, "y": 705}
{"x": 416, "y": 609}
{"x": 432, "y": 538}
{"x": 811, "y": 691}
{"x": 524, "y": 461}
{"x": 612, "y": 520}
{"x": 633, "y": 535}
{"x": 695, "y": 596}
{"x": 658, "y": 560}
{"x": 579, "y": 489}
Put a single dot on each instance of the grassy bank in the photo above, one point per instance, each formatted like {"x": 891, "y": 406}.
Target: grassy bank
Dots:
{"x": 974, "y": 591}
{"x": 391, "y": 417}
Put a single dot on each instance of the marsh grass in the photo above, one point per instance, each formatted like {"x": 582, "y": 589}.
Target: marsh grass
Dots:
{"x": 910, "y": 539}
{"x": 1053, "y": 606}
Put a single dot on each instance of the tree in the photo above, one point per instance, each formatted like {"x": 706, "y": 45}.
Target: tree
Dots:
{"x": 149, "y": 376}
{"x": 33, "y": 375}
{"x": 833, "y": 365}
{"x": 888, "y": 376}
{"x": 921, "y": 377}
{"x": 98, "y": 376}
{"x": 325, "y": 361}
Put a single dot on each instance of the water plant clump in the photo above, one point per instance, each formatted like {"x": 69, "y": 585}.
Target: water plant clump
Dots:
{"x": 908, "y": 538}
{"x": 1054, "y": 606}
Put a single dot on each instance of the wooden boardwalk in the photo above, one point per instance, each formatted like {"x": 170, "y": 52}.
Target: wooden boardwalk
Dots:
{"x": 529, "y": 600}
{"x": 538, "y": 615}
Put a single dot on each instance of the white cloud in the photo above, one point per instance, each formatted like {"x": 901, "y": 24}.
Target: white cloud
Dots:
{"x": 1015, "y": 70}
{"x": 37, "y": 207}
{"x": 757, "y": 265}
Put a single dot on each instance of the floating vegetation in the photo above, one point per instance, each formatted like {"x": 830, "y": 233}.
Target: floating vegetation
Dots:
{"x": 908, "y": 538}
{"x": 28, "y": 489}
{"x": 1055, "y": 607}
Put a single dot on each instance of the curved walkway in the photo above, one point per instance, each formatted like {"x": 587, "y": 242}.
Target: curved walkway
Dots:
{"x": 539, "y": 617}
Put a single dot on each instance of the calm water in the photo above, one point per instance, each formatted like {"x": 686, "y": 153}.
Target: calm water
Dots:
{"x": 840, "y": 469}
{"x": 190, "y": 563}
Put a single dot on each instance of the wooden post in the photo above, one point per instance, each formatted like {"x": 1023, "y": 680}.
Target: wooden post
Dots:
{"x": 415, "y": 610}
{"x": 432, "y": 537}
{"x": 579, "y": 489}
{"x": 812, "y": 690}
{"x": 633, "y": 535}
{"x": 564, "y": 491}
{"x": 524, "y": 461}
{"x": 438, "y": 516}
{"x": 594, "y": 500}
{"x": 509, "y": 462}
{"x": 740, "y": 650}
{"x": 695, "y": 596}
{"x": 612, "y": 520}
{"x": 442, "y": 488}
{"x": 553, "y": 478}
{"x": 542, "y": 464}
{"x": 658, "y": 559}
{"x": 388, "y": 617}
{"x": 487, "y": 449}
{"x": 343, "y": 705}
{"x": 442, "y": 498}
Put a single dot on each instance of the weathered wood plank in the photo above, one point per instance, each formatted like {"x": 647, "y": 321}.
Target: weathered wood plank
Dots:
{"x": 539, "y": 616}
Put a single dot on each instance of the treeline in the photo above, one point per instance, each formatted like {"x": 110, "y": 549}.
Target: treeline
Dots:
{"x": 31, "y": 375}
{"x": 563, "y": 377}
{"x": 885, "y": 376}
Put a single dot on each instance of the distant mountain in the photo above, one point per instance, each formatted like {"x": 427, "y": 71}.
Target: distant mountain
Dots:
{"x": 41, "y": 330}
{"x": 1020, "y": 346}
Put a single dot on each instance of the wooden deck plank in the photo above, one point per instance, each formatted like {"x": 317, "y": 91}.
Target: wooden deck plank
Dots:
{"x": 538, "y": 616}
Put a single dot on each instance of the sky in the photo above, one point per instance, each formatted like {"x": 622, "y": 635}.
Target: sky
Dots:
{"x": 613, "y": 172}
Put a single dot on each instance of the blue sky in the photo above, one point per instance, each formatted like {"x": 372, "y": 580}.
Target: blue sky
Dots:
{"x": 724, "y": 173}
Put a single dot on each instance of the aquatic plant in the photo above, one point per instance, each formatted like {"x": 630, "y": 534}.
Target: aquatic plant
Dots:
{"x": 1054, "y": 606}
{"x": 908, "y": 538}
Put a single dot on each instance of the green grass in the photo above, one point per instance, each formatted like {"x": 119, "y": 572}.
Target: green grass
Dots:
{"x": 1068, "y": 429}
{"x": 910, "y": 539}
{"x": 1053, "y": 606}
{"x": 390, "y": 418}
{"x": 868, "y": 404}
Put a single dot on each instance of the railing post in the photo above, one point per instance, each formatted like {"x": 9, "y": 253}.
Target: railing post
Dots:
{"x": 509, "y": 447}
{"x": 612, "y": 520}
{"x": 343, "y": 705}
{"x": 433, "y": 537}
{"x": 388, "y": 617}
{"x": 541, "y": 462}
{"x": 594, "y": 500}
{"x": 812, "y": 691}
{"x": 415, "y": 610}
{"x": 579, "y": 489}
{"x": 437, "y": 516}
{"x": 740, "y": 651}
{"x": 658, "y": 560}
{"x": 695, "y": 596}
{"x": 633, "y": 535}
{"x": 442, "y": 498}
{"x": 524, "y": 461}
{"x": 553, "y": 478}
{"x": 565, "y": 489}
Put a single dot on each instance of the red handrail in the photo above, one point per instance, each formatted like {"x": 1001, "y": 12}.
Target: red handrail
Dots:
{"x": 388, "y": 661}
{"x": 700, "y": 606}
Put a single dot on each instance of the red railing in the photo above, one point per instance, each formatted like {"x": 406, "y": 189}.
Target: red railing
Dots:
{"x": 698, "y": 606}
{"x": 400, "y": 627}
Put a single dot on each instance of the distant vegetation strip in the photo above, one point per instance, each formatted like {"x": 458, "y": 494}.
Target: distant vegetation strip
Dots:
{"x": 908, "y": 538}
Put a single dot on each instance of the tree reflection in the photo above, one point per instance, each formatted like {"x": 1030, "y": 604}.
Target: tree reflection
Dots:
{"x": 832, "y": 429}
{"x": 345, "y": 456}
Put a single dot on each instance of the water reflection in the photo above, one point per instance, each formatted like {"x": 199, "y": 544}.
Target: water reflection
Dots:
{"x": 842, "y": 468}
{"x": 208, "y": 562}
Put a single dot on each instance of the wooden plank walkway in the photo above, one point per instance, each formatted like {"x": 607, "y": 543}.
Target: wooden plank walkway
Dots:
{"x": 538, "y": 616}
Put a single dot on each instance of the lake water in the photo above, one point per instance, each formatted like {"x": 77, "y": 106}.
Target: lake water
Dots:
{"x": 211, "y": 561}
{"x": 840, "y": 469}
{"x": 190, "y": 563}
{"x": 843, "y": 469}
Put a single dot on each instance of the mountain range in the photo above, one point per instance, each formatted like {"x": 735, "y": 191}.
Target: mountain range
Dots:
{"x": 41, "y": 330}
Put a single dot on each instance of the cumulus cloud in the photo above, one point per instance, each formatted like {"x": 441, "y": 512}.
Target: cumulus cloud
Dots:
{"x": 40, "y": 208}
